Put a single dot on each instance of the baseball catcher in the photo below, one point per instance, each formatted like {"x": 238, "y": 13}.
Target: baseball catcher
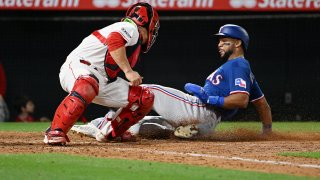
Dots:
{"x": 90, "y": 74}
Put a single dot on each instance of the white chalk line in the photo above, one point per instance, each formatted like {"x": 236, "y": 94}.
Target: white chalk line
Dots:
{"x": 222, "y": 157}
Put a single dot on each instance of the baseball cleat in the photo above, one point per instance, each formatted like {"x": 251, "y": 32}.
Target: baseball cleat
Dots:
{"x": 100, "y": 137}
{"x": 87, "y": 130}
{"x": 125, "y": 137}
{"x": 55, "y": 137}
{"x": 186, "y": 132}
{"x": 104, "y": 134}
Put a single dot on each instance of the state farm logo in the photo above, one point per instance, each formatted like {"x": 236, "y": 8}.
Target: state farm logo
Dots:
{"x": 275, "y": 4}
{"x": 155, "y": 3}
{"x": 103, "y": 3}
{"x": 243, "y": 3}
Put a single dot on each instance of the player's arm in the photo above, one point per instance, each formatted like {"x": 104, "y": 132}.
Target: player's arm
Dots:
{"x": 120, "y": 57}
{"x": 116, "y": 46}
{"x": 233, "y": 101}
{"x": 239, "y": 85}
{"x": 265, "y": 115}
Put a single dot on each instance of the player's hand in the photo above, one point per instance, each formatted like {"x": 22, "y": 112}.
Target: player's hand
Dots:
{"x": 198, "y": 91}
{"x": 134, "y": 78}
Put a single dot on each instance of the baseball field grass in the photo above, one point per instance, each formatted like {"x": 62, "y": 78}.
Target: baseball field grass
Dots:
{"x": 60, "y": 166}
{"x": 315, "y": 155}
{"x": 66, "y": 166}
{"x": 277, "y": 126}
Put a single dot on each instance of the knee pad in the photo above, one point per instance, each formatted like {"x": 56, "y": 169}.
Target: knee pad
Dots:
{"x": 86, "y": 88}
{"x": 140, "y": 104}
{"x": 141, "y": 95}
{"x": 71, "y": 108}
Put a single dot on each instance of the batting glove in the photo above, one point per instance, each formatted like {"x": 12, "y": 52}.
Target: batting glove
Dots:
{"x": 199, "y": 92}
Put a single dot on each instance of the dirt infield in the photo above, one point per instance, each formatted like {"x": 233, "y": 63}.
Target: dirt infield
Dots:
{"x": 240, "y": 149}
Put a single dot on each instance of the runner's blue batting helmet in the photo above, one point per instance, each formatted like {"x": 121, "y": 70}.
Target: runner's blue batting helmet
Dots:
{"x": 236, "y": 32}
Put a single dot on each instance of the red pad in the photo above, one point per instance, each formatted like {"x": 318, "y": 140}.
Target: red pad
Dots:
{"x": 87, "y": 86}
{"x": 71, "y": 108}
{"x": 140, "y": 104}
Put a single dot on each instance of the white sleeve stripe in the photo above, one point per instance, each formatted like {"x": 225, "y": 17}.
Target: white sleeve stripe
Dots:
{"x": 235, "y": 92}
{"x": 257, "y": 98}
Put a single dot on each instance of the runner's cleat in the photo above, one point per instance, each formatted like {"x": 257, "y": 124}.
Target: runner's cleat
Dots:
{"x": 87, "y": 130}
{"x": 186, "y": 132}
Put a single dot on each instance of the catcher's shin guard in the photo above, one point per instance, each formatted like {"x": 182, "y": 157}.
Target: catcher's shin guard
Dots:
{"x": 71, "y": 108}
{"x": 140, "y": 104}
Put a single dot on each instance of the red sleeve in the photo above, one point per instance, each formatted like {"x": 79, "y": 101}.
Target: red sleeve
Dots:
{"x": 115, "y": 41}
{"x": 3, "y": 81}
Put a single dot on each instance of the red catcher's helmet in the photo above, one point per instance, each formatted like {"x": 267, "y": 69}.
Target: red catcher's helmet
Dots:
{"x": 143, "y": 14}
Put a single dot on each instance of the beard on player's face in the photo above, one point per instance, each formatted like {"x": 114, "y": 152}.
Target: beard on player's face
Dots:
{"x": 224, "y": 55}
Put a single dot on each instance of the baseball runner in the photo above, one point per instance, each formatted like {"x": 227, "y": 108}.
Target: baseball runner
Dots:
{"x": 90, "y": 74}
{"x": 227, "y": 89}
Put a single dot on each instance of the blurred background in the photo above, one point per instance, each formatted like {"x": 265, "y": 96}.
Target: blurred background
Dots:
{"x": 36, "y": 37}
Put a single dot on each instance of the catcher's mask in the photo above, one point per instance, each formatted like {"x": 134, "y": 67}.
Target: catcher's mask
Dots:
{"x": 143, "y": 14}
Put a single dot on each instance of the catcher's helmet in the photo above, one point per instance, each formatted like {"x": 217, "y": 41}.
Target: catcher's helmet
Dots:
{"x": 143, "y": 14}
{"x": 236, "y": 32}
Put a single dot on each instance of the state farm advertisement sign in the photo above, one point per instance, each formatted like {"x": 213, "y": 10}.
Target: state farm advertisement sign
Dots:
{"x": 205, "y": 5}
